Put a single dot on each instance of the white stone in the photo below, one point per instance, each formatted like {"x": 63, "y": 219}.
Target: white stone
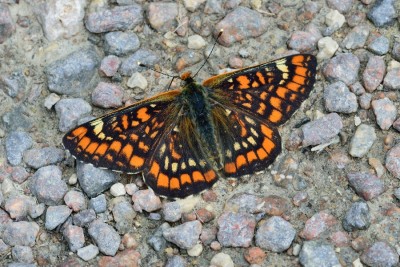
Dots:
{"x": 137, "y": 80}
{"x": 73, "y": 179}
{"x": 51, "y": 100}
{"x": 393, "y": 64}
{"x": 192, "y": 5}
{"x": 131, "y": 189}
{"x": 88, "y": 253}
{"x": 60, "y": 19}
{"x": 327, "y": 48}
{"x": 357, "y": 120}
{"x": 222, "y": 260}
{"x": 117, "y": 190}
{"x": 334, "y": 19}
{"x": 196, "y": 42}
{"x": 357, "y": 263}
{"x": 195, "y": 251}
{"x": 362, "y": 140}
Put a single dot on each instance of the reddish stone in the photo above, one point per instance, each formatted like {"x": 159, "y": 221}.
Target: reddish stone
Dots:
{"x": 205, "y": 215}
{"x": 126, "y": 258}
{"x": 255, "y": 255}
{"x": 317, "y": 224}
{"x": 340, "y": 239}
{"x": 275, "y": 205}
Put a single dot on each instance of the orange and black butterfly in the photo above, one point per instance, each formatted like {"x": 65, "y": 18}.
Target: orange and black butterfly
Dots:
{"x": 183, "y": 140}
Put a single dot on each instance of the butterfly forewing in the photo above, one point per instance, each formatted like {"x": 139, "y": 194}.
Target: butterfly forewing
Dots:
{"x": 123, "y": 140}
{"x": 271, "y": 91}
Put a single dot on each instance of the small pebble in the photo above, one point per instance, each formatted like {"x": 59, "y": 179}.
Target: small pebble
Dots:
{"x": 343, "y": 67}
{"x": 156, "y": 240}
{"x": 51, "y": 100}
{"x": 302, "y": 41}
{"x": 88, "y": 253}
{"x": 131, "y": 189}
{"x": 127, "y": 257}
{"x": 367, "y": 185}
{"x": 117, "y": 189}
{"x": 340, "y": 239}
{"x": 16, "y": 143}
{"x": 162, "y": 16}
{"x": 374, "y": 73}
{"x": 343, "y": 6}
{"x": 105, "y": 236}
{"x": 380, "y": 254}
{"x": 215, "y": 245}
{"x": 379, "y": 45}
{"x": 130, "y": 64}
{"x": 196, "y": 42}
{"x": 69, "y": 110}
{"x": 236, "y": 229}
{"x": 137, "y": 80}
{"x": 129, "y": 241}
{"x": 20, "y": 233}
{"x": 74, "y": 236}
{"x": 393, "y": 161}
{"x": 176, "y": 260}
{"x": 356, "y": 38}
{"x": 172, "y": 211}
{"x": 195, "y": 251}
{"x": 299, "y": 198}
{"x": 338, "y": 98}
{"x": 208, "y": 235}
{"x": 357, "y": 217}
{"x": 124, "y": 216}
{"x": 107, "y": 95}
{"x": 321, "y": 130}
{"x": 56, "y": 215}
{"x": 382, "y": 13}
{"x": 185, "y": 235}
{"x": 255, "y": 255}
{"x": 362, "y": 140}
{"x": 75, "y": 200}
{"x": 327, "y": 48}
{"x": 84, "y": 217}
{"x": 317, "y": 224}
{"x": 334, "y": 20}
{"x": 109, "y": 65}
{"x": 385, "y": 112}
{"x": 318, "y": 253}
{"x": 118, "y": 43}
{"x": 18, "y": 206}
{"x": 222, "y": 260}
{"x": 392, "y": 79}
{"x": 378, "y": 166}
{"x": 40, "y": 157}
{"x": 146, "y": 200}
{"x": 244, "y": 202}
{"x": 365, "y": 101}
{"x": 73, "y": 179}
{"x": 205, "y": 215}
{"x": 23, "y": 254}
{"x": 98, "y": 204}
{"x": 275, "y": 234}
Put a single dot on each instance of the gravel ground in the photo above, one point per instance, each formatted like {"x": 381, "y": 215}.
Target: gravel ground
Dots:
{"x": 330, "y": 199}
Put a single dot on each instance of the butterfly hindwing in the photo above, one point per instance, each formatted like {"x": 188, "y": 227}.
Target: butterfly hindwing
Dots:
{"x": 272, "y": 91}
{"x": 247, "y": 144}
{"x": 123, "y": 140}
{"x": 178, "y": 166}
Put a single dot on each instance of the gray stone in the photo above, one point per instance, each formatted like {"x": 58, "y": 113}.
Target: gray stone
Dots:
{"x": 72, "y": 74}
{"x": 163, "y": 16}
{"x": 318, "y": 253}
{"x": 48, "y": 187}
{"x": 343, "y": 6}
{"x": 105, "y": 236}
{"x": 22, "y": 254}
{"x": 69, "y": 111}
{"x": 321, "y": 130}
{"x": 20, "y": 233}
{"x": 356, "y": 38}
{"x": 40, "y": 157}
{"x": 74, "y": 236}
{"x": 146, "y": 200}
{"x": 56, "y": 215}
{"x": 13, "y": 84}
{"x": 366, "y": 185}
{"x": 365, "y": 101}
{"x": 172, "y": 211}
{"x": 94, "y": 180}
{"x": 16, "y": 119}
{"x": 16, "y": 144}
{"x": 392, "y": 79}
{"x": 380, "y": 254}
{"x": 107, "y": 95}
{"x": 130, "y": 64}
{"x": 119, "y": 18}
{"x": 374, "y": 73}
{"x": 98, "y": 204}
{"x": 379, "y": 46}
{"x": 123, "y": 214}
{"x": 185, "y": 235}
{"x": 362, "y": 140}
{"x": 338, "y": 98}
{"x": 357, "y": 217}
{"x": 121, "y": 43}
{"x": 343, "y": 67}
{"x": 393, "y": 161}
{"x": 88, "y": 253}
{"x": 382, "y": 13}
{"x": 275, "y": 234}
{"x": 176, "y": 261}
{"x": 157, "y": 241}
{"x": 84, "y": 217}
{"x": 7, "y": 25}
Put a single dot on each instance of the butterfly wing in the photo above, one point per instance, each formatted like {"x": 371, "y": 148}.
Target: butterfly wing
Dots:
{"x": 250, "y": 103}
{"x": 272, "y": 91}
{"x": 247, "y": 144}
{"x": 123, "y": 139}
{"x": 179, "y": 166}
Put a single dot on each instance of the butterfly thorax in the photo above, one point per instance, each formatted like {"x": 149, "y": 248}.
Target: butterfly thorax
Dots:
{"x": 198, "y": 109}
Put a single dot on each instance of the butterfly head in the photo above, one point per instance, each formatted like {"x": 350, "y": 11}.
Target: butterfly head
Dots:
{"x": 187, "y": 77}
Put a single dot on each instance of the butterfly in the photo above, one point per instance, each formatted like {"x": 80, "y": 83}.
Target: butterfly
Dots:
{"x": 184, "y": 140}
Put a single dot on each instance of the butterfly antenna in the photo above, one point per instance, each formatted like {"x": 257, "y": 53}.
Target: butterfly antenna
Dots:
{"x": 212, "y": 49}
{"x": 150, "y": 68}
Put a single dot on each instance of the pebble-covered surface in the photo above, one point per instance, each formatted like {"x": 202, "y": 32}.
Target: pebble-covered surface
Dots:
{"x": 332, "y": 198}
